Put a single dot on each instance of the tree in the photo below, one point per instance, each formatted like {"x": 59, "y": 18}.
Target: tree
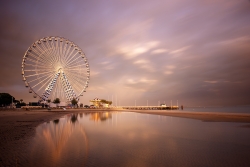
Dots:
{"x": 74, "y": 101}
{"x": 106, "y": 101}
{"x": 56, "y": 101}
{"x": 74, "y": 118}
{"x": 22, "y": 104}
{"x": 6, "y": 99}
{"x": 48, "y": 101}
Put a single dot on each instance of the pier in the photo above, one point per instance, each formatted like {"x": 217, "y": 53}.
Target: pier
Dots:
{"x": 150, "y": 107}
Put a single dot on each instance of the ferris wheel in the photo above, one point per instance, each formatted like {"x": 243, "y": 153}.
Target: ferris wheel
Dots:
{"x": 55, "y": 67}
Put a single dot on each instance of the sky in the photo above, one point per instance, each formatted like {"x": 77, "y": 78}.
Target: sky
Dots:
{"x": 139, "y": 51}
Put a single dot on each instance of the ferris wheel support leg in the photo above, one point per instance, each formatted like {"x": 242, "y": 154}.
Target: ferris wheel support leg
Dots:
{"x": 70, "y": 94}
{"x": 49, "y": 88}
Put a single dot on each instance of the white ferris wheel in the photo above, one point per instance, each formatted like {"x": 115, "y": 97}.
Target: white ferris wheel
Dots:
{"x": 55, "y": 67}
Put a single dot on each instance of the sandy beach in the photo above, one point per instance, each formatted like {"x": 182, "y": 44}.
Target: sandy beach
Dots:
{"x": 17, "y": 127}
{"x": 203, "y": 116}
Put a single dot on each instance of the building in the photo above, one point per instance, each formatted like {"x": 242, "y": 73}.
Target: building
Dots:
{"x": 100, "y": 102}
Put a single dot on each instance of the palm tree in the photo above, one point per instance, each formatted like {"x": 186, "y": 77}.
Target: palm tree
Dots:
{"x": 48, "y": 101}
{"x": 57, "y": 101}
{"x": 74, "y": 102}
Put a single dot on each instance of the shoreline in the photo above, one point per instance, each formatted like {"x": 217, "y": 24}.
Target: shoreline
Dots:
{"x": 203, "y": 116}
{"x": 17, "y": 127}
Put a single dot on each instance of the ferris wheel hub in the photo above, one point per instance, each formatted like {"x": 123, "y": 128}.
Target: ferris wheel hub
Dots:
{"x": 60, "y": 70}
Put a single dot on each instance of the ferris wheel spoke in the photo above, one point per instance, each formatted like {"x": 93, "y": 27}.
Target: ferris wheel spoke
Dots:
{"x": 41, "y": 56}
{"x": 36, "y": 50}
{"x": 52, "y": 50}
{"x": 67, "y": 52}
{"x": 40, "y": 82}
{"x": 77, "y": 88}
{"x": 36, "y": 70}
{"x": 45, "y": 54}
{"x": 56, "y": 52}
{"x": 76, "y": 74}
{"x": 38, "y": 78}
{"x": 48, "y": 45}
{"x": 77, "y": 63}
{"x": 60, "y": 49}
{"x": 69, "y": 55}
{"x": 74, "y": 60}
{"x": 76, "y": 78}
{"x": 69, "y": 61}
{"x": 46, "y": 67}
{"x": 64, "y": 52}
{"x": 73, "y": 70}
{"x": 38, "y": 74}
{"x": 76, "y": 81}
{"x": 36, "y": 60}
{"x": 52, "y": 57}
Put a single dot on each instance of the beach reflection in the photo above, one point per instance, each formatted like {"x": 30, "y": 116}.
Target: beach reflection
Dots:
{"x": 58, "y": 141}
{"x": 101, "y": 116}
{"x": 132, "y": 139}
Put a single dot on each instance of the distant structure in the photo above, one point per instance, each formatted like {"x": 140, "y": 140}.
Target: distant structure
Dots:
{"x": 163, "y": 105}
{"x": 96, "y": 102}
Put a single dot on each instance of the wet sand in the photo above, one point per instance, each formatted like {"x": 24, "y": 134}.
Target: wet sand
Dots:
{"x": 17, "y": 127}
{"x": 203, "y": 116}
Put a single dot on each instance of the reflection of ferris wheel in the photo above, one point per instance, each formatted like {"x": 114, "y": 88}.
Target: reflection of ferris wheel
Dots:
{"x": 54, "y": 67}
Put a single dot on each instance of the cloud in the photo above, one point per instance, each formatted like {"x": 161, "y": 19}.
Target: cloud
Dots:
{"x": 104, "y": 63}
{"x": 94, "y": 73}
{"x": 158, "y": 51}
{"x": 144, "y": 64}
{"x": 109, "y": 67}
{"x": 134, "y": 50}
{"x": 140, "y": 84}
{"x": 179, "y": 50}
{"x": 168, "y": 72}
{"x": 142, "y": 80}
{"x": 212, "y": 82}
{"x": 141, "y": 42}
{"x": 244, "y": 40}
{"x": 171, "y": 67}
